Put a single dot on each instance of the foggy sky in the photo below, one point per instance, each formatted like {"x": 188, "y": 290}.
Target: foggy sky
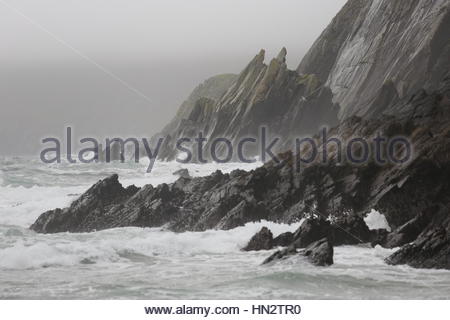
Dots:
{"x": 61, "y": 60}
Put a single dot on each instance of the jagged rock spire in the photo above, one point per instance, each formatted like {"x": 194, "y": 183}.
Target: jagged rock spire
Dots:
{"x": 282, "y": 55}
{"x": 260, "y": 56}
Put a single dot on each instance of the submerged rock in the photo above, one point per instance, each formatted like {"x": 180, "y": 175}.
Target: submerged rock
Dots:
{"x": 319, "y": 253}
{"x": 281, "y": 254}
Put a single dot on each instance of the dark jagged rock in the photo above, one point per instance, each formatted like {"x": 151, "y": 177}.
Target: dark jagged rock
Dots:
{"x": 88, "y": 212}
{"x": 430, "y": 250}
{"x": 378, "y": 237}
{"x": 345, "y": 230}
{"x": 283, "y": 240}
{"x": 281, "y": 254}
{"x": 348, "y": 230}
{"x": 319, "y": 253}
{"x": 311, "y": 231}
{"x": 409, "y": 231}
{"x": 263, "y": 240}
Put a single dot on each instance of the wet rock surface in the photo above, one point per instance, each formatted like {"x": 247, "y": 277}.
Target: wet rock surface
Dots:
{"x": 311, "y": 231}
{"x": 319, "y": 253}
{"x": 348, "y": 230}
{"x": 283, "y": 240}
{"x": 88, "y": 211}
{"x": 263, "y": 240}
{"x": 431, "y": 249}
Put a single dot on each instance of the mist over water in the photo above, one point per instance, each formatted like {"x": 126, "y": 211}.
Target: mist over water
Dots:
{"x": 114, "y": 67}
{"x": 135, "y": 263}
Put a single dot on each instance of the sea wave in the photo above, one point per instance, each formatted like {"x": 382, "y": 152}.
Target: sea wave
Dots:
{"x": 24, "y": 249}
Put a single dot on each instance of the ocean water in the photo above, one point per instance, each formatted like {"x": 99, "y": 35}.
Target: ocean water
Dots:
{"x": 134, "y": 263}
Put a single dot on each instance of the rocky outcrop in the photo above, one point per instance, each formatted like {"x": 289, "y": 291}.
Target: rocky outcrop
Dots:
{"x": 193, "y": 110}
{"x": 319, "y": 253}
{"x": 311, "y": 231}
{"x": 283, "y": 240}
{"x": 349, "y": 230}
{"x": 345, "y": 230}
{"x": 375, "y": 52}
{"x": 211, "y": 89}
{"x": 263, "y": 240}
{"x": 89, "y": 210}
{"x": 409, "y": 231}
{"x": 431, "y": 249}
{"x": 286, "y": 103}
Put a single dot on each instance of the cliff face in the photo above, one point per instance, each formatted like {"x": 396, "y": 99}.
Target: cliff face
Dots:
{"x": 373, "y": 54}
{"x": 372, "y": 44}
{"x": 270, "y": 95}
{"x": 287, "y": 103}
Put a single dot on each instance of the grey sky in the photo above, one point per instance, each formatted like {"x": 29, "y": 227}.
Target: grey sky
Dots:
{"x": 162, "y": 48}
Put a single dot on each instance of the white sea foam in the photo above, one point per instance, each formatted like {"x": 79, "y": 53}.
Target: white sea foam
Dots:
{"x": 20, "y": 205}
{"x": 136, "y": 263}
{"x": 376, "y": 220}
{"x": 28, "y": 250}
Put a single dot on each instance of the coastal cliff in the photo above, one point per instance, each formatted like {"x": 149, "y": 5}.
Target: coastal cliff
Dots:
{"x": 270, "y": 95}
{"x": 371, "y": 43}
{"x": 380, "y": 68}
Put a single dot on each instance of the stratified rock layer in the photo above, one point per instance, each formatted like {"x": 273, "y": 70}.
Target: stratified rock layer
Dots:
{"x": 374, "y": 49}
{"x": 270, "y": 95}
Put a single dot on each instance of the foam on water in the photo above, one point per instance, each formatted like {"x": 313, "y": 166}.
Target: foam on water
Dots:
{"x": 20, "y": 206}
{"x": 30, "y": 187}
{"x": 23, "y": 249}
{"x": 135, "y": 263}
